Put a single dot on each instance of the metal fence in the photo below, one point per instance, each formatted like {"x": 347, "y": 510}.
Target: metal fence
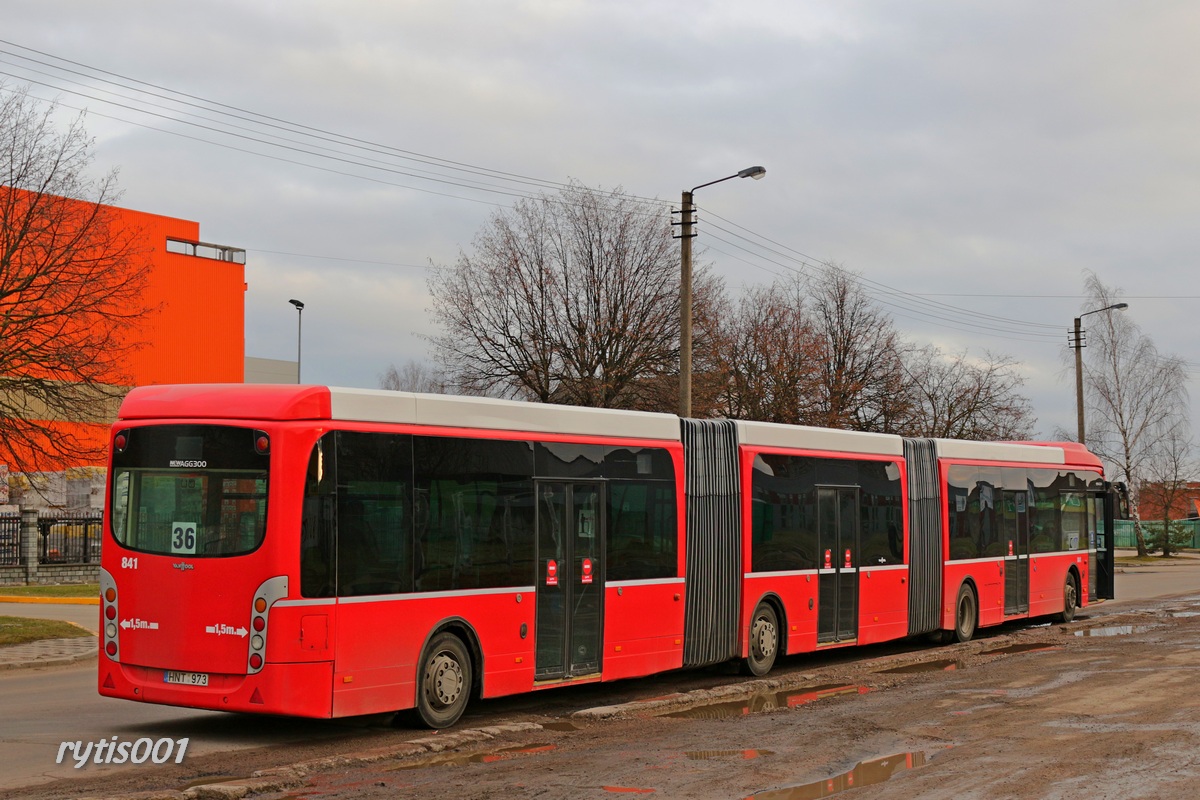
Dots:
{"x": 1152, "y": 530}
{"x": 62, "y": 539}
{"x": 73, "y": 539}
{"x": 10, "y": 540}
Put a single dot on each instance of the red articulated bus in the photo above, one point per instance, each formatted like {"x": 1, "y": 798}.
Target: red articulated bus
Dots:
{"x": 324, "y": 552}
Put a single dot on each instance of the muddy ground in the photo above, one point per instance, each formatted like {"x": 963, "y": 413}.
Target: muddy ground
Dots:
{"x": 1105, "y": 707}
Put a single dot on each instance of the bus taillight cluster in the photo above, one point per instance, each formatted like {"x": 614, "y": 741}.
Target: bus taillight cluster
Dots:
{"x": 108, "y": 606}
{"x": 271, "y": 590}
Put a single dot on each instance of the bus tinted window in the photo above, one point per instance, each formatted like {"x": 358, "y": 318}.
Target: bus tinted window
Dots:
{"x": 784, "y": 515}
{"x": 192, "y": 490}
{"x": 643, "y": 530}
{"x": 474, "y": 515}
{"x": 986, "y": 505}
{"x": 318, "y": 526}
{"x": 374, "y": 513}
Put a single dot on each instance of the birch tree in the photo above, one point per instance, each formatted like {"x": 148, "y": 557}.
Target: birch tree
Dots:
{"x": 1134, "y": 395}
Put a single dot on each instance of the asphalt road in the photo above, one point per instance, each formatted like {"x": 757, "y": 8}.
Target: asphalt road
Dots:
{"x": 44, "y": 707}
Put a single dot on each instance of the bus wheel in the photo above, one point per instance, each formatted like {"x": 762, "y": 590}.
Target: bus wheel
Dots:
{"x": 1070, "y": 599}
{"x": 764, "y": 641}
{"x": 965, "y": 613}
{"x": 445, "y": 681}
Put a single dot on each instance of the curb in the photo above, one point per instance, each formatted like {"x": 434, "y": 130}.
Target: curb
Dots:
{"x": 73, "y": 601}
{"x": 60, "y": 661}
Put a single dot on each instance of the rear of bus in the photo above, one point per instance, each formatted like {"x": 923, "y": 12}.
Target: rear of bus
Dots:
{"x": 190, "y": 572}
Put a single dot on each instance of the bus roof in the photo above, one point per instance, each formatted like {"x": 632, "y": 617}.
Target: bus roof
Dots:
{"x": 290, "y": 402}
{"x": 801, "y": 437}
{"x": 1056, "y": 453}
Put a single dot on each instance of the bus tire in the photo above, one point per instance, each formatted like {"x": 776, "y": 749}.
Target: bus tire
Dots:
{"x": 444, "y": 682}
{"x": 764, "y": 641}
{"x": 1070, "y": 599}
{"x": 966, "y": 614}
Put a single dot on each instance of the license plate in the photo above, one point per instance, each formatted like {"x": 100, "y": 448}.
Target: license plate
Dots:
{"x": 186, "y": 678}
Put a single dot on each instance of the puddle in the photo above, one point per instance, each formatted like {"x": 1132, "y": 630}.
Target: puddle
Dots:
{"x": 866, "y": 773}
{"x": 560, "y": 726}
{"x": 504, "y": 754}
{"x": 745, "y": 755}
{"x": 945, "y": 665}
{"x": 1114, "y": 630}
{"x": 211, "y": 780}
{"x": 1185, "y": 613}
{"x": 1033, "y": 647}
{"x": 767, "y": 702}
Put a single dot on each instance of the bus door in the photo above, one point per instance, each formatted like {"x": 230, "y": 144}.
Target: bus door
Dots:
{"x": 1014, "y": 536}
{"x": 837, "y": 532}
{"x": 1102, "y": 514}
{"x": 570, "y": 580}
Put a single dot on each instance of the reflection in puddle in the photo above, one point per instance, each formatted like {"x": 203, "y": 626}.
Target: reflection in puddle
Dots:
{"x": 944, "y": 665}
{"x": 479, "y": 758}
{"x": 767, "y": 702}
{"x": 1033, "y": 647}
{"x": 210, "y": 780}
{"x": 1113, "y": 630}
{"x": 745, "y": 755}
{"x": 867, "y": 773}
{"x": 560, "y": 726}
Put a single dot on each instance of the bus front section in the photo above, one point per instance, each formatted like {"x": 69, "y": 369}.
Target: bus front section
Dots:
{"x": 190, "y": 575}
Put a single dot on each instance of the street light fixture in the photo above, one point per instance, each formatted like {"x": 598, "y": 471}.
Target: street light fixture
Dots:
{"x": 299, "y": 323}
{"x": 1076, "y": 341}
{"x": 685, "y": 287}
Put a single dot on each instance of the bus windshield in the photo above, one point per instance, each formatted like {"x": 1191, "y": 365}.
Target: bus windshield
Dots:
{"x": 192, "y": 490}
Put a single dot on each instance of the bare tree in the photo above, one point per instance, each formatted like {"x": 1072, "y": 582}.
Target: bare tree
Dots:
{"x": 413, "y": 376}
{"x": 863, "y": 380}
{"x": 956, "y": 397}
{"x": 571, "y": 298}
{"x": 771, "y": 356}
{"x": 1134, "y": 395}
{"x": 71, "y": 287}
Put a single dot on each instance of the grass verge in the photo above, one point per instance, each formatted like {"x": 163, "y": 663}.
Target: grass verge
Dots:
{"x": 19, "y": 630}
{"x": 64, "y": 590}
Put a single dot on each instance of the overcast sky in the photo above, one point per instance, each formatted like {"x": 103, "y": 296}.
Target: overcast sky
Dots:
{"x": 970, "y": 160}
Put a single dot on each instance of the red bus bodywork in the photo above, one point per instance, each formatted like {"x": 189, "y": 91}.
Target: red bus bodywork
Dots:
{"x": 182, "y": 630}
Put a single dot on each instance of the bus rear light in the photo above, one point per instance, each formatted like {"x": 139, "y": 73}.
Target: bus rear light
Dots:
{"x": 262, "y": 443}
{"x": 121, "y": 441}
{"x": 112, "y": 633}
{"x": 271, "y": 590}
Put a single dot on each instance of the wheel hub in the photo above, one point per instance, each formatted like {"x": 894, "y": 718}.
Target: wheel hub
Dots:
{"x": 445, "y": 679}
{"x": 764, "y": 638}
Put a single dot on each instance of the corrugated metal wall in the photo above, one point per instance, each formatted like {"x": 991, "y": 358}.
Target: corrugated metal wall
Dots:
{"x": 925, "y": 536}
{"x": 714, "y": 558}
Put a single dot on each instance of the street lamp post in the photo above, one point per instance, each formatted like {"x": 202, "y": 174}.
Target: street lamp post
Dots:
{"x": 1076, "y": 341}
{"x": 685, "y": 287}
{"x": 299, "y": 328}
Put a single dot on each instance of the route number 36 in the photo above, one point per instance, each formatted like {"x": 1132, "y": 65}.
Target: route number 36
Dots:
{"x": 183, "y": 537}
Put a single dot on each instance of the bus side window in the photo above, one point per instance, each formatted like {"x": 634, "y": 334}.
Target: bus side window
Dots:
{"x": 317, "y": 561}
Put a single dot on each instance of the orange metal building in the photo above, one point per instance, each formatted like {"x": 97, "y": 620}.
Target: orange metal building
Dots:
{"x": 196, "y": 332}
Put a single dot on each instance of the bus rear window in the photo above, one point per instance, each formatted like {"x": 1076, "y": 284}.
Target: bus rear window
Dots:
{"x": 193, "y": 490}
